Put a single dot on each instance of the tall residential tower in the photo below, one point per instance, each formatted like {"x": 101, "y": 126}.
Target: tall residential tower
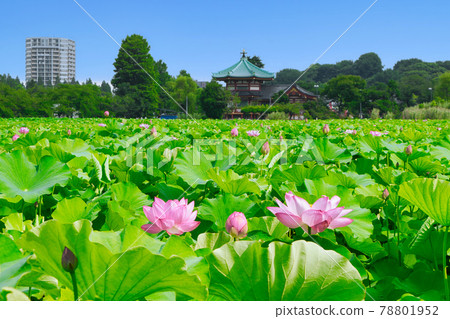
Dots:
{"x": 48, "y": 59}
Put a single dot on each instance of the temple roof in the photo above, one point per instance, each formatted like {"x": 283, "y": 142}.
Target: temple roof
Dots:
{"x": 243, "y": 69}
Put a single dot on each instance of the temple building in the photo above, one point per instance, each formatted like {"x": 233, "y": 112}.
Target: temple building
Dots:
{"x": 244, "y": 79}
{"x": 252, "y": 84}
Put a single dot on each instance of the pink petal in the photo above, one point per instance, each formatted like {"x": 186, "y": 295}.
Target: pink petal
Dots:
{"x": 321, "y": 203}
{"x": 313, "y": 217}
{"x": 320, "y": 227}
{"x": 340, "y": 222}
{"x": 151, "y": 228}
{"x": 333, "y": 202}
{"x": 296, "y": 204}
{"x": 186, "y": 227}
{"x": 334, "y": 213}
{"x": 148, "y": 211}
{"x": 345, "y": 212}
{"x": 283, "y": 207}
{"x": 277, "y": 210}
{"x": 289, "y": 220}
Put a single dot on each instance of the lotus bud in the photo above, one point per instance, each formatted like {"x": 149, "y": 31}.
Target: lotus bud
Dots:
{"x": 236, "y": 225}
{"x": 401, "y": 128}
{"x": 266, "y": 148}
{"x": 154, "y": 133}
{"x": 326, "y": 129}
{"x": 281, "y": 137}
{"x": 106, "y": 113}
{"x": 385, "y": 194}
{"x": 408, "y": 150}
{"x": 69, "y": 261}
{"x": 69, "y": 132}
{"x": 36, "y": 204}
{"x": 15, "y": 137}
{"x": 234, "y": 132}
{"x": 306, "y": 120}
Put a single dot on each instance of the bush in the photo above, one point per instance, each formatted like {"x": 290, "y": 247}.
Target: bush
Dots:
{"x": 389, "y": 115}
{"x": 278, "y": 116}
{"x": 432, "y": 113}
{"x": 375, "y": 114}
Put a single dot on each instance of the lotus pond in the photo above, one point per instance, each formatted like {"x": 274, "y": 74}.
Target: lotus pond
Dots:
{"x": 112, "y": 209}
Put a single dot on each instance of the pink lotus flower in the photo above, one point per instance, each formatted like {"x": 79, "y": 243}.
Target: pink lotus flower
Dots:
{"x": 253, "y": 133}
{"x": 69, "y": 132}
{"x": 290, "y": 215}
{"x": 106, "y": 113}
{"x": 353, "y": 132}
{"x": 102, "y": 124}
{"x": 144, "y": 126}
{"x": 438, "y": 128}
{"x": 15, "y": 137}
{"x": 234, "y": 132}
{"x": 375, "y": 133}
{"x": 319, "y": 216}
{"x": 24, "y": 130}
{"x": 236, "y": 225}
{"x": 175, "y": 217}
{"x": 324, "y": 214}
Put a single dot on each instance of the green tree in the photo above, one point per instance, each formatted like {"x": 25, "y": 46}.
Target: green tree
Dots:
{"x": 213, "y": 100}
{"x": 256, "y": 60}
{"x": 105, "y": 88}
{"x": 443, "y": 86}
{"x": 414, "y": 85}
{"x": 134, "y": 70}
{"x": 287, "y": 76}
{"x": 368, "y": 65}
{"x": 181, "y": 88}
{"x": 283, "y": 98}
{"x": 344, "y": 89}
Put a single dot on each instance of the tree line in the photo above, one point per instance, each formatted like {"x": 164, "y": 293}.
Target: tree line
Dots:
{"x": 142, "y": 87}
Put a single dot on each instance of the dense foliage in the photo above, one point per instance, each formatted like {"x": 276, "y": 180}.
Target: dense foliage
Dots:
{"x": 118, "y": 209}
{"x": 355, "y": 86}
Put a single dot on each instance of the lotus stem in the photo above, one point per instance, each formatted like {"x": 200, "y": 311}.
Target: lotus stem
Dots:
{"x": 398, "y": 231}
{"x": 444, "y": 263}
{"x": 74, "y": 285}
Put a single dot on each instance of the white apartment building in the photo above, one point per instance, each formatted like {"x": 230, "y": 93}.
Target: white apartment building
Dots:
{"x": 50, "y": 58}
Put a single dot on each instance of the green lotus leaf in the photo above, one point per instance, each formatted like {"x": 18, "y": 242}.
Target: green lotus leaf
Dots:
{"x": 73, "y": 209}
{"x": 131, "y": 272}
{"x": 18, "y": 176}
{"x": 327, "y": 152}
{"x": 431, "y": 196}
{"x": 12, "y": 263}
{"x": 192, "y": 167}
{"x": 302, "y": 271}
{"x": 232, "y": 183}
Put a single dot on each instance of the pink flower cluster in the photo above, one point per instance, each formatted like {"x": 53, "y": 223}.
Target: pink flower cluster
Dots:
{"x": 376, "y": 133}
{"x": 178, "y": 216}
{"x": 23, "y": 130}
{"x": 144, "y": 126}
{"x": 253, "y": 133}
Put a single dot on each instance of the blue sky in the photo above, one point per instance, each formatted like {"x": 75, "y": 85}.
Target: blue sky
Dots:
{"x": 207, "y": 36}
